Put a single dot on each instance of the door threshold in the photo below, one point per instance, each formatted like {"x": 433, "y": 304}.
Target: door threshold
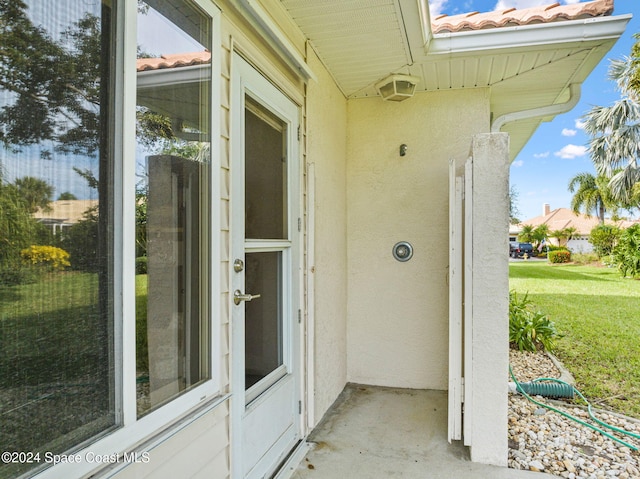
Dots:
{"x": 292, "y": 461}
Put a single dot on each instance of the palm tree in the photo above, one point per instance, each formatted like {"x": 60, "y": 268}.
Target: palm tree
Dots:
{"x": 36, "y": 193}
{"x": 526, "y": 235}
{"x": 615, "y": 131}
{"x": 539, "y": 234}
{"x": 564, "y": 235}
{"x": 592, "y": 194}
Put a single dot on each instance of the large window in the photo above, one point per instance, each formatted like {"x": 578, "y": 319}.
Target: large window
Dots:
{"x": 57, "y": 381}
{"x": 173, "y": 197}
{"x": 68, "y": 156}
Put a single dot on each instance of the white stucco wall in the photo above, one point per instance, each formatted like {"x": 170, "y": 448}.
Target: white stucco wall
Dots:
{"x": 490, "y": 300}
{"x": 326, "y": 116}
{"x": 398, "y": 312}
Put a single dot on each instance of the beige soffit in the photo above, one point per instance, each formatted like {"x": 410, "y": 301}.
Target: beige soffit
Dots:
{"x": 527, "y": 57}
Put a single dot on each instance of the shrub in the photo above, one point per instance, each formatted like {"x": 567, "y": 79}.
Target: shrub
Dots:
{"x": 49, "y": 256}
{"x": 626, "y": 254}
{"x": 529, "y": 330}
{"x": 560, "y": 256}
{"x": 604, "y": 238}
{"x": 13, "y": 273}
{"x": 141, "y": 265}
{"x": 584, "y": 258}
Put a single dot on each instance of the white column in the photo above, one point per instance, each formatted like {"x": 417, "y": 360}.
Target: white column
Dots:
{"x": 490, "y": 152}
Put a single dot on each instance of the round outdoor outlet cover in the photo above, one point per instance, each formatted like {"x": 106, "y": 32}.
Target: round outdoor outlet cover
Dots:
{"x": 403, "y": 251}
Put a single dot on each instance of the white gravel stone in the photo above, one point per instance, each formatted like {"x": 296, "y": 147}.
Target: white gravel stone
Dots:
{"x": 557, "y": 445}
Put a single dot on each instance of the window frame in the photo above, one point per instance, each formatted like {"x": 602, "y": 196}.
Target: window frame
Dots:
{"x": 129, "y": 431}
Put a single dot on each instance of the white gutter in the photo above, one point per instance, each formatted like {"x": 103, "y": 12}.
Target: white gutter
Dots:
{"x": 555, "y": 109}
{"x": 276, "y": 39}
{"x": 592, "y": 29}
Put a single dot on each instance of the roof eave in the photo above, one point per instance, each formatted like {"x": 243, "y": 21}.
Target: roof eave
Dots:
{"x": 523, "y": 36}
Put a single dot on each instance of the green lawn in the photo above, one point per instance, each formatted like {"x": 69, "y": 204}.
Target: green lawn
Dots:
{"x": 598, "y": 312}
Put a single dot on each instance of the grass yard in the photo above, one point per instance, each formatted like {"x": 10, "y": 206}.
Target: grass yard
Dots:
{"x": 54, "y": 365}
{"x": 598, "y": 312}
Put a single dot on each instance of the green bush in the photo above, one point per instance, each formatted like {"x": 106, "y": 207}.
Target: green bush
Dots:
{"x": 604, "y": 238}
{"x": 560, "y": 256}
{"x": 529, "y": 330}
{"x": 584, "y": 258}
{"x": 13, "y": 273}
{"x": 626, "y": 254}
{"x": 141, "y": 265}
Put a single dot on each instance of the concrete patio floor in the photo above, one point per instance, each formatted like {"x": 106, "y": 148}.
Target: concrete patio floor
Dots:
{"x": 375, "y": 432}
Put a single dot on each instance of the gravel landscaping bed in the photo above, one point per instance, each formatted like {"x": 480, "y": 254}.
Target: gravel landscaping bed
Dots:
{"x": 543, "y": 440}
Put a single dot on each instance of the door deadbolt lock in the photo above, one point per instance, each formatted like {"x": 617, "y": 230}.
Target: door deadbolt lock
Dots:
{"x": 238, "y": 265}
{"x": 239, "y": 296}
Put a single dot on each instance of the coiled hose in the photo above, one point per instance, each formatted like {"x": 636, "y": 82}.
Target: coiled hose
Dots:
{"x": 546, "y": 389}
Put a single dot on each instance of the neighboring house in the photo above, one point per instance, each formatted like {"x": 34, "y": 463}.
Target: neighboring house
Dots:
{"x": 64, "y": 213}
{"x": 561, "y": 218}
{"x": 299, "y": 191}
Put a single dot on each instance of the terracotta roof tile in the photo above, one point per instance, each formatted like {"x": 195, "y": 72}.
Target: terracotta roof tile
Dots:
{"x": 173, "y": 61}
{"x": 563, "y": 218}
{"x": 527, "y": 16}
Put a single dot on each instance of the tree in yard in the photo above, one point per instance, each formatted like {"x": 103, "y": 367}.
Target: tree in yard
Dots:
{"x": 526, "y": 235}
{"x": 513, "y": 207}
{"x": 36, "y": 193}
{"x": 563, "y": 235}
{"x": 539, "y": 234}
{"x": 615, "y": 130}
{"x": 67, "y": 195}
{"x": 592, "y": 195}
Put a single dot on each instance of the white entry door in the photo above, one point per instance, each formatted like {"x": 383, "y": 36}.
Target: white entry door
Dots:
{"x": 265, "y": 274}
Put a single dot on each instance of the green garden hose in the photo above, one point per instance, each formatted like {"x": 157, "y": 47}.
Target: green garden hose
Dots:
{"x": 569, "y": 416}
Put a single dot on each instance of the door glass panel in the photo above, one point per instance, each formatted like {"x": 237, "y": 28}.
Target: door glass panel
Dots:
{"x": 173, "y": 197}
{"x": 265, "y": 174}
{"x": 57, "y": 77}
{"x": 263, "y": 316}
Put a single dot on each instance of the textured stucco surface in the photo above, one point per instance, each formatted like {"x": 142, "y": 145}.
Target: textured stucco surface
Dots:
{"x": 397, "y": 330}
{"x": 326, "y": 150}
{"x": 490, "y": 298}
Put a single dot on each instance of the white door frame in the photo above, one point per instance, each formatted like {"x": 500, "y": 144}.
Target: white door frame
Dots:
{"x": 245, "y": 79}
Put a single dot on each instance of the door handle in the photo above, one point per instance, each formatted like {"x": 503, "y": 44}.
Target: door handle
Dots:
{"x": 239, "y": 296}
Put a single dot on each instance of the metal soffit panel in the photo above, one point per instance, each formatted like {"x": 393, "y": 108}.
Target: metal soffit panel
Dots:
{"x": 363, "y": 41}
{"x": 360, "y": 41}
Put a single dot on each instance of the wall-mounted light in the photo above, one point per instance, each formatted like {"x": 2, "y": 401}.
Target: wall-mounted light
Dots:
{"x": 397, "y": 87}
{"x": 402, "y": 251}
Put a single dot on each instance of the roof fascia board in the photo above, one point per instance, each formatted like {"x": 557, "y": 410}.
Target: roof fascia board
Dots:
{"x": 172, "y": 76}
{"x": 543, "y": 34}
{"x": 276, "y": 39}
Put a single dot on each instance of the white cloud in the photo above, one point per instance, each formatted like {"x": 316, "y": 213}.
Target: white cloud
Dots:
{"x": 541, "y": 155}
{"x": 502, "y": 4}
{"x": 517, "y": 163}
{"x": 568, "y": 132}
{"x": 436, "y": 7}
{"x": 579, "y": 124}
{"x": 570, "y": 152}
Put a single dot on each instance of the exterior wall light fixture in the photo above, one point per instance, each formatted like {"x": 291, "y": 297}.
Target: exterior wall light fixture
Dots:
{"x": 397, "y": 87}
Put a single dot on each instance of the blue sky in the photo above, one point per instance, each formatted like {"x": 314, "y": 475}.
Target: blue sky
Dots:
{"x": 557, "y": 151}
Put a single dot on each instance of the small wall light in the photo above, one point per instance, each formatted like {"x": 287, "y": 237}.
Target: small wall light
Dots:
{"x": 402, "y": 251}
{"x": 397, "y": 87}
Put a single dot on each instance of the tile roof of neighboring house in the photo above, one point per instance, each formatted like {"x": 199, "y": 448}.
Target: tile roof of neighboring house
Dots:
{"x": 173, "y": 61}
{"x": 65, "y": 211}
{"x": 561, "y": 218}
{"x": 511, "y": 17}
